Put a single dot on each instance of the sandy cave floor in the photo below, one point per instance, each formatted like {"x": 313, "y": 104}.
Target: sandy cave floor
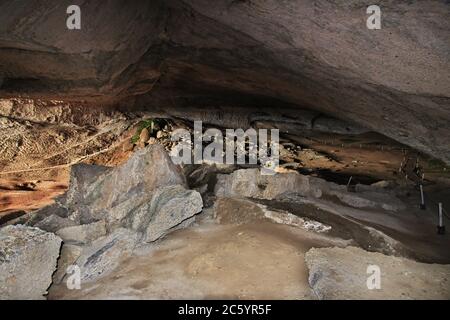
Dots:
{"x": 212, "y": 261}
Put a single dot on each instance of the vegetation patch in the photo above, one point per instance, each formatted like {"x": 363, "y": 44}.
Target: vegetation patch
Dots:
{"x": 152, "y": 125}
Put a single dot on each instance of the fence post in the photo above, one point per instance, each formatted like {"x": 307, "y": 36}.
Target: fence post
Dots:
{"x": 441, "y": 227}
{"x": 422, "y": 198}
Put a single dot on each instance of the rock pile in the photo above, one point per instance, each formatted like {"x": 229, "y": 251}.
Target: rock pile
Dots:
{"x": 108, "y": 211}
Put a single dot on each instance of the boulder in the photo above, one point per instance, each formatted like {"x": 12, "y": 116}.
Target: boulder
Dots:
{"x": 98, "y": 192}
{"x": 27, "y": 261}
{"x": 343, "y": 273}
{"x": 251, "y": 183}
{"x": 147, "y": 194}
{"x": 144, "y": 136}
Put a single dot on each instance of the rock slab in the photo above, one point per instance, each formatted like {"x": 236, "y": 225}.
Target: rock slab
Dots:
{"x": 342, "y": 273}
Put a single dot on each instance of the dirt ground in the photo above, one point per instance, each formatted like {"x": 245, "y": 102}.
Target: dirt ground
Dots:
{"x": 211, "y": 261}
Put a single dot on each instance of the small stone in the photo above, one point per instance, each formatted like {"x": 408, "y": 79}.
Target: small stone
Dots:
{"x": 141, "y": 145}
{"x": 144, "y": 135}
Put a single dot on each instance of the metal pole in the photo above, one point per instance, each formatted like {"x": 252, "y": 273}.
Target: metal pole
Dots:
{"x": 422, "y": 198}
{"x": 351, "y": 188}
{"x": 441, "y": 227}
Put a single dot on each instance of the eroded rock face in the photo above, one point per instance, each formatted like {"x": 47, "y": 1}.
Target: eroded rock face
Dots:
{"x": 27, "y": 261}
{"x": 342, "y": 273}
{"x": 315, "y": 54}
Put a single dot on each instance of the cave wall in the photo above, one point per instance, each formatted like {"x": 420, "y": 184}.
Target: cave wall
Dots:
{"x": 315, "y": 54}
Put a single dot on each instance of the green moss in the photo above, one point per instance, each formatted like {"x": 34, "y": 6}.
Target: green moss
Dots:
{"x": 151, "y": 124}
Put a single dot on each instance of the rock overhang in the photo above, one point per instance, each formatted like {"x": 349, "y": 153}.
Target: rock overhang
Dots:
{"x": 314, "y": 54}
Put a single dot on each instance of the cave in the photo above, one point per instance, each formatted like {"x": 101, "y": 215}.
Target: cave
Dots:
{"x": 252, "y": 149}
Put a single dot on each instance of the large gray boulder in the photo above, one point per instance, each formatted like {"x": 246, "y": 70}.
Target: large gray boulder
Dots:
{"x": 343, "y": 273}
{"x": 97, "y": 192}
{"x": 27, "y": 261}
{"x": 146, "y": 194}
